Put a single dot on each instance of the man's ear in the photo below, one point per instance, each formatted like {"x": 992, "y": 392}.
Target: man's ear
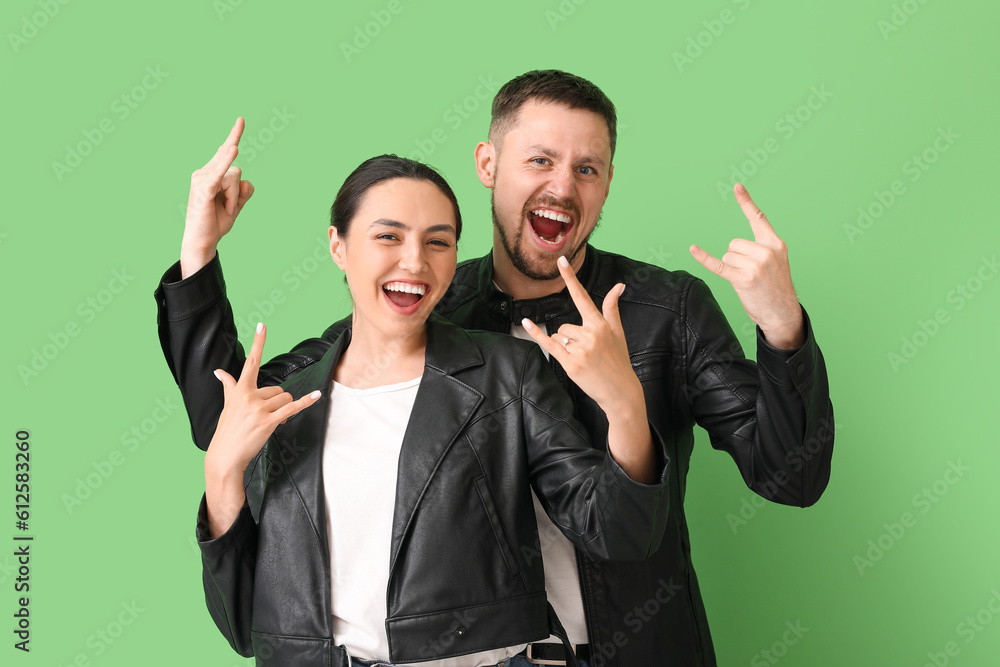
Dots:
{"x": 611, "y": 174}
{"x": 337, "y": 247}
{"x": 486, "y": 163}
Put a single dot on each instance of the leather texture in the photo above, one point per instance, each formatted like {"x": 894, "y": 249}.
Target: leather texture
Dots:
{"x": 773, "y": 417}
{"x": 490, "y": 422}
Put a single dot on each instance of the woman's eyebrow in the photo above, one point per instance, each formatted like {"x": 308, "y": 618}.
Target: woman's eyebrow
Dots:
{"x": 385, "y": 222}
{"x": 441, "y": 228}
{"x": 396, "y": 224}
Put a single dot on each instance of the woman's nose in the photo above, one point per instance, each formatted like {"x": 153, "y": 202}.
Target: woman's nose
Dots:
{"x": 412, "y": 258}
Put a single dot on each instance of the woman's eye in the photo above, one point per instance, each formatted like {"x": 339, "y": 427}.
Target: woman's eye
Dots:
{"x": 441, "y": 243}
{"x": 387, "y": 237}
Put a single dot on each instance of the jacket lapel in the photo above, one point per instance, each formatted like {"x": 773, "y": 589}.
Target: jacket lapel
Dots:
{"x": 441, "y": 410}
{"x": 299, "y": 450}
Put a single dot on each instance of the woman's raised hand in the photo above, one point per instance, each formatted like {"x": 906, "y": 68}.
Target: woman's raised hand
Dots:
{"x": 217, "y": 196}
{"x": 595, "y": 356}
{"x": 250, "y": 414}
{"x": 248, "y": 419}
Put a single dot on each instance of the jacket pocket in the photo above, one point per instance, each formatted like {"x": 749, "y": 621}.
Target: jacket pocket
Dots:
{"x": 503, "y": 544}
{"x": 652, "y": 363}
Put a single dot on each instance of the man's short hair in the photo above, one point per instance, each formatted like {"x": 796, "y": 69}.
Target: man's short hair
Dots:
{"x": 550, "y": 85}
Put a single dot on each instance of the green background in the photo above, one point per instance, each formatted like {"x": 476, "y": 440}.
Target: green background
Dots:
{"x": 888, "y": 94}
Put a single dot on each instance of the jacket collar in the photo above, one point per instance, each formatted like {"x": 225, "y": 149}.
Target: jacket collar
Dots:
{"x": 449, "y": 350}
{"x": 441, "y": 410}
{"x": 538, "y": 310}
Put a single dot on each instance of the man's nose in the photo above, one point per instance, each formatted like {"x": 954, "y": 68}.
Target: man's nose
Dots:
{"x": 562, "y": 184}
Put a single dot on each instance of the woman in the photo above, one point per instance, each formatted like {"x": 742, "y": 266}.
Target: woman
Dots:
{"x": 393, "y": 520}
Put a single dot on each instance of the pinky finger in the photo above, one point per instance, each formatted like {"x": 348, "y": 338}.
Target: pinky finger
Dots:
{"x": 548, "y": 344}
{"x": 713, "y": 264}
{"x": 295, "y": 407}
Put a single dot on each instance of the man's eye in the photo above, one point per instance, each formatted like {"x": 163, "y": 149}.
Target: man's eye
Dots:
{"x": 539, "y": 160}
{"x": 588, "y": 171}
{"x": 440, "y": 242}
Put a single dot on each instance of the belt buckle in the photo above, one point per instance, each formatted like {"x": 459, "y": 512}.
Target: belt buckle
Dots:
{"x": 542, "y": 661}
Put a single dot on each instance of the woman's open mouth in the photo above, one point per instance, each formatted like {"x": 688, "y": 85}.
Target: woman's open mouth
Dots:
{"x": 549, "y": 228}
{"x": 404, "y": 297}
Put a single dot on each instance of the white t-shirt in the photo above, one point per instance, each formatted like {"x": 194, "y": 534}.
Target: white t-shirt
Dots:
{"x": 360, "y": 461}
{"x": 562, "y": 579}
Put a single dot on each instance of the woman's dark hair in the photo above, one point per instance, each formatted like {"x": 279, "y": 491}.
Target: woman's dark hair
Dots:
{"x": 376, "y": 170}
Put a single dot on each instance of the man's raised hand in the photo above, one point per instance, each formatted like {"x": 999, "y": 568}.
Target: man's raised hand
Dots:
{"x": 217, "y": 196}
{"x": 758, "y": 271}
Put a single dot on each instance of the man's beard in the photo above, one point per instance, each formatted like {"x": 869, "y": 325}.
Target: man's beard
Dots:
{"x": 515, "y": 251}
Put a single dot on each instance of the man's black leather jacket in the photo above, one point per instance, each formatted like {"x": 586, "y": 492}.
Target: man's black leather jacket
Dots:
{"x": 489, "y": 420}
{"x": 774, "y": 418}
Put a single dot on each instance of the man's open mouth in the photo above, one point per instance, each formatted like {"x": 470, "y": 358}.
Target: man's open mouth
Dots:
{"x": 550, "y": 226}
{"x": 404, "y": 295}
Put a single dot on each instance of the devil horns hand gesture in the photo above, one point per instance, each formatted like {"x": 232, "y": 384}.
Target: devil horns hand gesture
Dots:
{"x": 758, "y": 271}
{"x": 249, "y": 418}
{"x": 595, "y": 356}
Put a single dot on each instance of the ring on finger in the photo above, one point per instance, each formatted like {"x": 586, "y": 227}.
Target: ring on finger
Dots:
{"x": 565, "y": 341}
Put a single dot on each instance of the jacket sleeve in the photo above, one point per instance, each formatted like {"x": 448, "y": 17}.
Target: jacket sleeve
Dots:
{"x": 198, "y": 334}
{"x": 774, "y": 417}
{"x": 228, "y": 564}
{"x": 584, "y": 491}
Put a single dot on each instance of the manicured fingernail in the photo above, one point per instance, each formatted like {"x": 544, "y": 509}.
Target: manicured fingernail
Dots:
{"x": 217, "y": 376}
{"x": 260, "y": 327}
{"x": 622, "y": 290}
{"x": 563, "y": 262}
{"x": 526, "y": 323}
{"x": 315, "y": 394}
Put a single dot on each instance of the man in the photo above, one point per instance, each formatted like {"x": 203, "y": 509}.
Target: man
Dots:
{"x": 549, "y": 166}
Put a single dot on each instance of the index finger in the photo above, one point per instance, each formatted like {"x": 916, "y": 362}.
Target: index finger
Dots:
{"x": 234, "y": 134}
{"x": 226, "y": 153}
{"x": 252, "y": 364}
{"x": 758, "y": 221}
{"x": 579, "y": 295}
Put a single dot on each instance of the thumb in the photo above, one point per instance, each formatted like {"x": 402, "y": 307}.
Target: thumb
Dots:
{"x": 226, "y": 379}
{"x": 246, "y": 191}
{"x": 610, "y": 309}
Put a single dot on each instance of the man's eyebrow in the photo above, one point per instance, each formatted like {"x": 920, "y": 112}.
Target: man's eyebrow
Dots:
{"x": 396, "y": 224}
{"x": 545, "y": 150}
{"x": 555, "y": 155}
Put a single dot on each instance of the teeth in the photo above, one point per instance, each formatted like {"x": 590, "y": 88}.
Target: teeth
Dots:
{"x": 405, "y": 287}
{"x": 552, "y": 215}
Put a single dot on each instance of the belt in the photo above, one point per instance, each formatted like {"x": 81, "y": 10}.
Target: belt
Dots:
{"x": 554, "y": 654}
